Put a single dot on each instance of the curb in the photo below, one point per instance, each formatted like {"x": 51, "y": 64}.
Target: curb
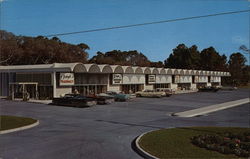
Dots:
{"x": 20, "y": 128}
{"x": 140, "y": 150}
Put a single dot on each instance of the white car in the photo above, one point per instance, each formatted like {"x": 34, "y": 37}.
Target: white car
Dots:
{"x": 150, "y": 93}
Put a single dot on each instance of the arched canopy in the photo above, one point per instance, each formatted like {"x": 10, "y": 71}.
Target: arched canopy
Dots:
{"x": 78, "y": 68}
{"x": 191, "y": 72}
{"x": 154, "y": 70}
{"x": 176, "y": 72}
{"x": 146, "y": 70}
{"x": 197, "y": 72}
{"x": 117, "y": 69}
{"x": 181, "y": 72}
{"x": 208, "y": 73}
{"x": 202, "y": 73}
{"x": 92, "y": 68}
{"x": 161, "y": 71}
{"x": 169, "y": 71}
{"x": 213, "y": 73}
{"x": 186, "y": 72}
{"x": 127, "y": 69}
{"x": 137, "y": 70}
{"x": 105, "y": 69}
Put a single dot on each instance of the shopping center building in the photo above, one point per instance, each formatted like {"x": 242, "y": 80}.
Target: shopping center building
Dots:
{"x": 53, "y": 80}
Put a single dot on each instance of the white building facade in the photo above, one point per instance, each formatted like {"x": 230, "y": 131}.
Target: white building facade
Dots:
{"x": 53, "y": 80}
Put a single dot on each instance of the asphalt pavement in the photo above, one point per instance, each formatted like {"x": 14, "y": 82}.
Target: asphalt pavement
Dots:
{"x": 106, "y": 131}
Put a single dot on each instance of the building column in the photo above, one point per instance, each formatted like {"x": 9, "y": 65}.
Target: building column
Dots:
{"x": 53, "y": 80}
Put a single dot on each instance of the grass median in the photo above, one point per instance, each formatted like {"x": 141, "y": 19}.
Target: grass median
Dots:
{"x": 176, "y": 142}
{"x": 11, "y": 122}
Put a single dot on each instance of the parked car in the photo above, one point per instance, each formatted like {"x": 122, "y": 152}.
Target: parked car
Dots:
{"x": 119, "y": 96}
{"x": 209, "y": 89}
{"x": 168, "y": 91}
{"x": 150, "y": 93}
{"x": 74, "y": 100}
{"x": 228, "y": 88}
{"x": 103, "y": 98}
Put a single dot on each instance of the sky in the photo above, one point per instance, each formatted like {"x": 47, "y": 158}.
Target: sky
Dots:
{"x": 225, "y": 33}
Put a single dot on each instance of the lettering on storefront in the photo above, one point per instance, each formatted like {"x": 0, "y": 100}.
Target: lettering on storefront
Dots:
{"x": 177, "y": 79}
{"x": 117, "y": 79}
{"x": 67, "y": 79}
{"x": 196, "y": 79}
{"x": 151, "y": 79}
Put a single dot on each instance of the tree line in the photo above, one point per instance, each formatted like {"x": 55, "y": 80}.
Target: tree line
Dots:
{"x": 23, "y": 50}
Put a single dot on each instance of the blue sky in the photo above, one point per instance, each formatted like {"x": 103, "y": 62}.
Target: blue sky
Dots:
{"x": 42, "y": 17}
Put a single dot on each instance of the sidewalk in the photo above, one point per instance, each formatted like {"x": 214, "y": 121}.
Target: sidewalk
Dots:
{"x": 212, "y": 108}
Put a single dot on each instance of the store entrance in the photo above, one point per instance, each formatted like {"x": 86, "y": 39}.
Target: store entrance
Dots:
{"x": 24, "y": 90}
{"x": 86, "y": 90}
{"x": 132, "y": 88}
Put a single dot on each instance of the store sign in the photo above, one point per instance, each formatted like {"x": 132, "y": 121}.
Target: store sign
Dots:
{"x": 196, "y": 79}
{"x": 177, "y": 79}
{"x": 117, "y": 79}
{"x": 212, "y": 79}
{"x": 151, "y": 79}
{"x": 67, "y": 79}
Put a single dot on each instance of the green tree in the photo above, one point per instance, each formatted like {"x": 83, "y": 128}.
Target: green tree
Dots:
{"x": 117, "y": 57}
{"x": 239, "y": 71}
{"x": 16, "y": 50}
{"x": 183, "y": 57}
{"x": 211, "y": 60}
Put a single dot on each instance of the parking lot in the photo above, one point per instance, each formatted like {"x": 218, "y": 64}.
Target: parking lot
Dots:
{"x": 106, "y": 131}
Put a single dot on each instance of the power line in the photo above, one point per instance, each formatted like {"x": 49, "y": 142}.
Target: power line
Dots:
{"x": 148, "y": 23}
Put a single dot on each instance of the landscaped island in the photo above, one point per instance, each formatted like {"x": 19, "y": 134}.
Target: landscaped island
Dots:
{"x": 12, "y": 122}
{"x": 198, "y": 142}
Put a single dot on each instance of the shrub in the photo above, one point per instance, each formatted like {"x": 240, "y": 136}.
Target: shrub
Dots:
{"x": 227, "y": 143}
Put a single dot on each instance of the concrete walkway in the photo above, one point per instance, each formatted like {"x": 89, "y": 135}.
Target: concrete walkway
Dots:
{"x": 212, "y": 108}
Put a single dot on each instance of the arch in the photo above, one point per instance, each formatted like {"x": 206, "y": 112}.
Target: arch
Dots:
{"x": 202, "y": 72}
{"x": 138, "y": 70}
{"x": 117, "y": 69}
{"x": 154, "y": 70}
{"x": 105, "y": 69}
{"x": 79, "y": 68}
{"x": 181, "y": 72}
{"x": 213, "y": 73}
{"x": 162, "y": 71}
{"x": 146, "y": 70}
{"x": 186, "y": 72}
{"x": 197, "y": 72}
{"x": 192, "y": 72}
{"x": 127, "y": 69}
{"x": 92, "y": 68}
{"x": 169, "y": 71}
{"x": 176, "y": 72}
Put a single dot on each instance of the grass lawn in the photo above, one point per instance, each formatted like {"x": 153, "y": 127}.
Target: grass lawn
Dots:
{"x": 11, "y": 122}
{"x": 176, "y": 143}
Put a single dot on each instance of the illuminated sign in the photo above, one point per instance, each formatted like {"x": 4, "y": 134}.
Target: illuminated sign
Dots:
{"x": 196, "y": 79}
{"x": 117, "y": 79}
{"x": 67, "y": 79}
{"x": 151, "y": 79}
